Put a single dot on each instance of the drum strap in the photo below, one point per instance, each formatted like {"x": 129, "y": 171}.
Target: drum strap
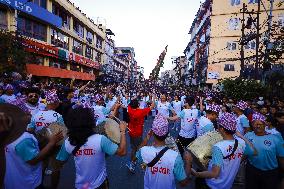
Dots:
{"x": 158, "y": 157}
{"x": 234, "y": 149}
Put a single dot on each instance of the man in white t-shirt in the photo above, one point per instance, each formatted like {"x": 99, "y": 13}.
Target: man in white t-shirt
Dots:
{"x": 23, "y": 167}
{"x": 177, "y": 106}
{"x": 89, "y": 149}
{"x": 226, "y": 157}
{"x": 42, "y": 119}
{"x": 169, "y": 167}
{"x": 32, "y": 103}
{"x": 189, "y": 117}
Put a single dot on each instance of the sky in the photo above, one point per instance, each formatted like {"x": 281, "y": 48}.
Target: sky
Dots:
{"x": 146, "y": 25}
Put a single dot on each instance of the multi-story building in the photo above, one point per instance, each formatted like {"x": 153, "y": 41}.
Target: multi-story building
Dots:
{"x": 226, "y": 20}
{"x": 197, "y": 49}
{"x": 214, "y": 48}
{"x": 132, "y": 63}
{"x": 64, "y": 42}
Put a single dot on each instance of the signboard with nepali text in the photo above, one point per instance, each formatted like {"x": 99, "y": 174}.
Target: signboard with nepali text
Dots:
{"x": 39, "y": 48}
{"x": 34, "y": 10}
{"x": 83, "y": 61}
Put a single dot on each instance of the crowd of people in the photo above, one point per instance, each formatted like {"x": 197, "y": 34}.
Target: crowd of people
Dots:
{"x": 252, "y": 132}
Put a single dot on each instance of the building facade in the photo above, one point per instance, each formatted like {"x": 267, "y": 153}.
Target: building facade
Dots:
{"x": 63, "y": 41}
{"x": 197, "y": 49}
{"x": 225, "y": 48}
{"x": 129, "y": 55}
{"x": 214, "y": 50}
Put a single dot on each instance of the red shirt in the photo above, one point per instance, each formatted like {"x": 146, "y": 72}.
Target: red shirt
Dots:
{"x": 136, "y": 121}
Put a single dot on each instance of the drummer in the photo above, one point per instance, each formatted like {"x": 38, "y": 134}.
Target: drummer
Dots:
{"x": 100, "y": 111}
{"x": 43, "y": 119}
{"x": 32, "y": 103}
{"x": 188, "y": 116}
{"x": 89, "y": 149}
{"x": 22, "y": 154}
{"x": 205, "y": 123}
{"x": 226, "y": 157}
{"x": 169, "y": 167}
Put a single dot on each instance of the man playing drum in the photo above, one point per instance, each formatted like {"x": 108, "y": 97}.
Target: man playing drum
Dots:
{"x": 205, "y": 123}
{"x": 226, "y": 157}
{"x": 162, "y": 172}
{"x": 89, "y": 149}
{"x": 188, "y": 116}
{"x": 42, "y": 119}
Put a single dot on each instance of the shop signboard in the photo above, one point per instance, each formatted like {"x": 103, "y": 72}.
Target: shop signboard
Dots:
{"x": 83, "y": 61}
{"x": 39, "y": 48}
{"x": 34, "y": 10}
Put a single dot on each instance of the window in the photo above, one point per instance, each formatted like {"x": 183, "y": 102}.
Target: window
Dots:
{"x": 98, "y": 57}
{"x": 234, "y": 23}
{"x": 250, "y": 45}
{"x": 89, "y": 52}
{"x": 99, "y": 43}
{"x": 60, "y": 40}
{"x": 90, "y": 37}
{"x": 31, "y": 29}
{"x": 78, "y": 29}
{"x": 252, "y": 1}
{"x": 231, "y": 46}
{"x": 57, "y": 10}
{"x": 229, "y": 67}
{"x": 75, "y": 67}
{"x": 41, "y": 3}
{"x": 77, "y": 47}
{"x": 281, "y": 20}
{"x": 3, "y": 19}
{"x": 56, "y": 63}
{"x": 235, "y": 2}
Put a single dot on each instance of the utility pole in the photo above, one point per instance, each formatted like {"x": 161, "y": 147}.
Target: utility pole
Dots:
{"x": 256, "y": 71}
{"x": 244, "y": 9}
{"x": 266, "y": 64}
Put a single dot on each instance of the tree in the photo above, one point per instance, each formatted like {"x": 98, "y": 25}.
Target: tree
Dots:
{"x": 241, "y": 89}
{"x": 13, "y": 55}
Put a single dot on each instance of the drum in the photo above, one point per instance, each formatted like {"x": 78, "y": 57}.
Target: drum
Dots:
{"x": 51, "y": 130}
{"x": 109, "y": 128}
{"x": 171, "y": 143}
{"x": 201, "y": 148}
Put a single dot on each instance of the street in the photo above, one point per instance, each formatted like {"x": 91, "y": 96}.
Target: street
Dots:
{"x": 118, "y": 175}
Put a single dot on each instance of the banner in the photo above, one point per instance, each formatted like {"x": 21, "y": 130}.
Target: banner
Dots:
{"x": 39, "y": 48}
{"x": 83, "y": 61}
{"x": 34, "y": 10}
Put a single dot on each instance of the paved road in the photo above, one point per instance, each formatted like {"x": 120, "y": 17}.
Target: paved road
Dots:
{"x": 118, "y": 174}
